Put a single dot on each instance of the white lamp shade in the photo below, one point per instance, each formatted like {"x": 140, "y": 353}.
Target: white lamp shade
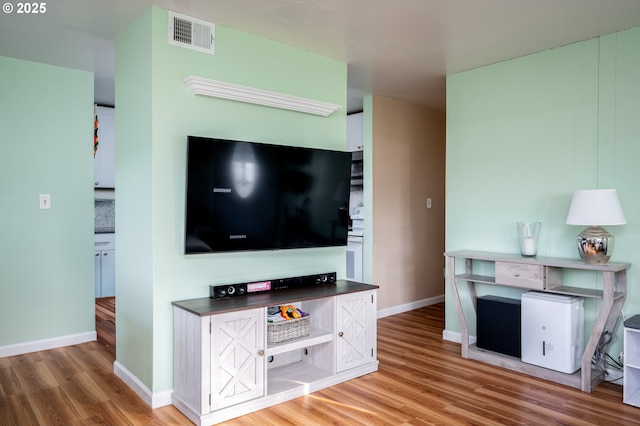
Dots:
{"x": 596, "y": 207}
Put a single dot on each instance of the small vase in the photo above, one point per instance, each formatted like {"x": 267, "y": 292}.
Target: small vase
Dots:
{"x": 528, "y": 233}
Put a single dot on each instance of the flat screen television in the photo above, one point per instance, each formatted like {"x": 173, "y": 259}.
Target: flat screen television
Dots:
{"x": 255, "y": 196}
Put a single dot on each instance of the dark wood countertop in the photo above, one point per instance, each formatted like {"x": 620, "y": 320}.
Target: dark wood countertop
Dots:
{"x": 208, "y": 306}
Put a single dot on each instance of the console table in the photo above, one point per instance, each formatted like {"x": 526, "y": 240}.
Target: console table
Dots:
{"x": 540, "y": 274}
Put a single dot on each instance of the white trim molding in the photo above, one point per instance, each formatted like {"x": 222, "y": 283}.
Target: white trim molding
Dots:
{"x": 456, "y": 337}
{"x": 224, "y": 90}
{"x": 46, "y": 344}
{"x": 152, "y": 400}
{"x": 398, "y": 309}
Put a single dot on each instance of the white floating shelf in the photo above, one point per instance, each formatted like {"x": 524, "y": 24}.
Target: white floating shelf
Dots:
{"x": 221, "y": 89}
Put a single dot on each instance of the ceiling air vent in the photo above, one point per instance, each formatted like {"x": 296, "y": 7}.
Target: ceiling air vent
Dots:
{"x": 191, "y": 33}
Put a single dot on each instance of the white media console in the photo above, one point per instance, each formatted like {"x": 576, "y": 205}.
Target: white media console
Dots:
{"x": 224, "y": 368}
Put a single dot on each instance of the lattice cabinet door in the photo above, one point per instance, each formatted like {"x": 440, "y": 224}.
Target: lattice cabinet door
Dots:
{"x": 356, "y": 329}
{"x": 238, "y": 363}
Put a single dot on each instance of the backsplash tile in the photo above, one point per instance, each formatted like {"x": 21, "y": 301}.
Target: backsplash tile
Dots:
{"x": 104, "y": 215}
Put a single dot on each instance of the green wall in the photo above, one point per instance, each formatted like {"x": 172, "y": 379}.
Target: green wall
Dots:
{"x": 134, "y": 204}
{"x": 155, "y": 113}
{"x": 46, "y": 256}
{"x": 367, "y": 143}
{"x": 524, "y": 134}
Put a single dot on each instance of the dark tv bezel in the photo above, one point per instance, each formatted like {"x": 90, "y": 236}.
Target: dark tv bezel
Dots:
{"x": 343, "y": 239}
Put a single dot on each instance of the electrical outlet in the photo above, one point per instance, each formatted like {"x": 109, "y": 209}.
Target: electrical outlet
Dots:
{"x": 45, "y": 201}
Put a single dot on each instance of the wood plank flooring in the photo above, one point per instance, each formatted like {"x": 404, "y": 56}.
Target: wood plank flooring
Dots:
{"x": 422, "y": 381}
{"x": 106, "y": 323}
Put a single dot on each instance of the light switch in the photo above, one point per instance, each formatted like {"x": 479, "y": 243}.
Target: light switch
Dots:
{"x": 428, "y": 203}
{"x": 45, "y": 201}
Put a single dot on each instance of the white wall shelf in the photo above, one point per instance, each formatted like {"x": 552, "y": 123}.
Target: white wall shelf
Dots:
{"x": 224, "y": 90}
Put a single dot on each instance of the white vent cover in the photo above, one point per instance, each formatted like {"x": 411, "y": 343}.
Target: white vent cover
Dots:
{"x": 191, "y": 33}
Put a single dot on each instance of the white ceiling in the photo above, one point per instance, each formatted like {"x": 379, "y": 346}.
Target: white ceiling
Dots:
{"x": 401, "y": 49}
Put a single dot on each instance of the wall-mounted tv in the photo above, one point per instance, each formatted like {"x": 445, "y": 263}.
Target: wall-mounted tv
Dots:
{"x": 256, "y": 196}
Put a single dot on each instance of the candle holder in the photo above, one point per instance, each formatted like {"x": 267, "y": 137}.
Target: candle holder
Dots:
{"x": 528, "y": 233}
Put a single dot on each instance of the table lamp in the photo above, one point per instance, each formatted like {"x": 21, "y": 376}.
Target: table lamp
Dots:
{"x": 595, "y": 208}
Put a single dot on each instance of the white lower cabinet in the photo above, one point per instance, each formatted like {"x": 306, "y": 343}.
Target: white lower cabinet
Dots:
{"x": 105, "y": 273}
{"x": 356, "y": 325}
{"x": 223, "y": 367}
{"x": 104, "y": 265}
{"x": 237, "y": 357}
{"x": 97, "y": 271}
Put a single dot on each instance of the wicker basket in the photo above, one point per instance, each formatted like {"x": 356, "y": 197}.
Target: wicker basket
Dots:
{"x": 286, "y": 330}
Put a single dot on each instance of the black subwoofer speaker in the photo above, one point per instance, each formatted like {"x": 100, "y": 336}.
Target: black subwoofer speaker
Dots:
{"x": 498, "y": 325}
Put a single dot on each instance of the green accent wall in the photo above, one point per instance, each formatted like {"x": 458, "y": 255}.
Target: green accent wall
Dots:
{"x": 367, "y": 143}
{"x": 155, "y": 113}
{"x": 135, "y": 198}
{"x": 46, "y": 256}
{"x": 524, "y": 134}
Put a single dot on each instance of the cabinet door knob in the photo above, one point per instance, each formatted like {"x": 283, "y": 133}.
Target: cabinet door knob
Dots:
{"x": 261, "y": 352}
{"x": 341, "y": 334}
{"x": 517, "y": 274}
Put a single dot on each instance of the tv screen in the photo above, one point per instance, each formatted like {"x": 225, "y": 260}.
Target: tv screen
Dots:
{"x": 255, "y": 196}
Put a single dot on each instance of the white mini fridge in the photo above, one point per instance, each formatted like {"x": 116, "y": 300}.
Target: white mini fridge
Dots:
{"x": 552, "y": 331}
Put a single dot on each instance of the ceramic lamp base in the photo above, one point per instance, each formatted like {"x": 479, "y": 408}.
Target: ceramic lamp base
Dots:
{"x": 595, "y": 245}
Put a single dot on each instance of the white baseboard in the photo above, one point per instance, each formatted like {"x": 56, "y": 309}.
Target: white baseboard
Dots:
{"x": 46, "y": 344}
{"x": 456, "y": 337}
{"x": 152, "y": 400}
{"x": 398, "y": 309}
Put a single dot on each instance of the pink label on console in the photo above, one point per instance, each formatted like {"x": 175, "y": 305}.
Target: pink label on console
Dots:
{"x": 261, "y": 286}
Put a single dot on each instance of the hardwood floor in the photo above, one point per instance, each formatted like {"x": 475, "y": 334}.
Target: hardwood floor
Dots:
{"x": 422, "y": 381}
{"x": 106, "y": 323}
